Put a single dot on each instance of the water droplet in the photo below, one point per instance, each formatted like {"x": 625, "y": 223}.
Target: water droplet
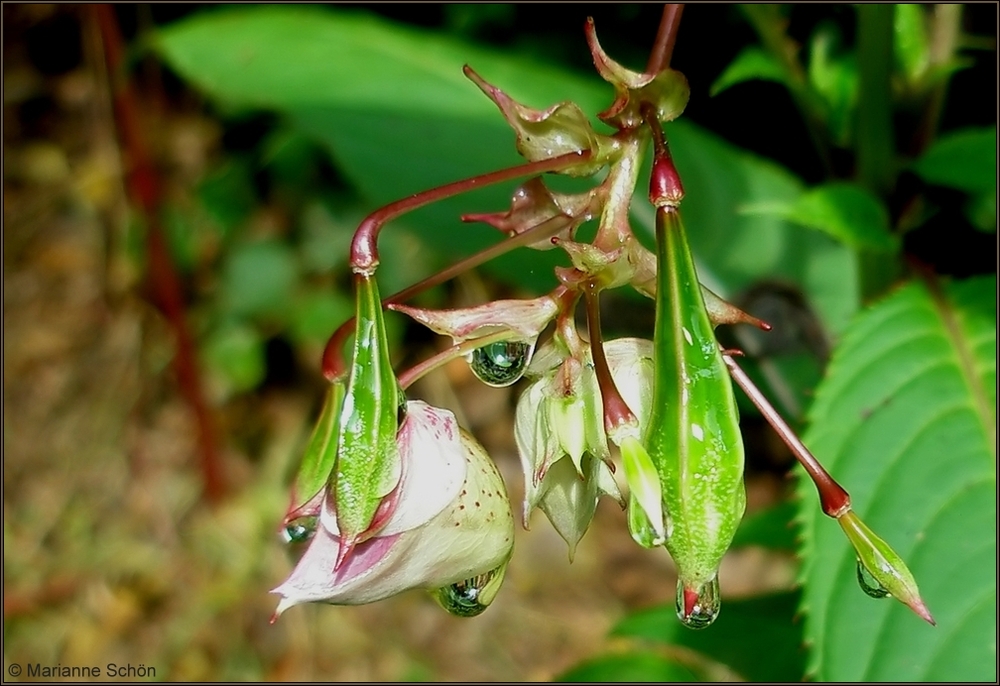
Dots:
{"x": 501, "y": 364}
{"x": 640, "y": 528}
{"x": 470, "y": 597}
{"x": 870, "y": 584}
{"x": 299, "y": 530}
{"x": 697, "y": 608}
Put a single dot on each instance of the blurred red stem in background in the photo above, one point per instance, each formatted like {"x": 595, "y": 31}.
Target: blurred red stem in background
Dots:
{"x": 144, "y": 187}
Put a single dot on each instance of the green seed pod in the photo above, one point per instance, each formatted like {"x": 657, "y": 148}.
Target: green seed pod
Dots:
{"x": 367, "y": 466}
{"x": 693, "y": 436}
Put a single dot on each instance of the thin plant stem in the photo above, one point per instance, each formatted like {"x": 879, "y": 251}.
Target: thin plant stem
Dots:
{"x": 407, "y": 378}
{"x": 833, "y": 498}
{"x": 616, "y": 410}
{"x": 364, "y": 247}
{"x": 666, "y": 37}
{"x": 333, "y": 364}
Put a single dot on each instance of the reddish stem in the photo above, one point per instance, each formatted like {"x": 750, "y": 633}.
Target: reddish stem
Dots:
{"x": 334, "y": 365}
{"x": 666, "y": 36}
{"x": 144, "y": 186}
{"x": 364, "y": 247}
{"x": 616, "y": 410}
{"x": 833, "y": 498}
{"x": 665, "y": 187}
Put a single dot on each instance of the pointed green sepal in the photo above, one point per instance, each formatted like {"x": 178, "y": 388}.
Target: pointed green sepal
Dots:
{"x": 645, "y": 500}
{"x": 320, "y": 455}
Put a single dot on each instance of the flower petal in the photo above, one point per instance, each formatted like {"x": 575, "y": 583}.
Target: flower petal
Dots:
{"x": 471, "y": 535}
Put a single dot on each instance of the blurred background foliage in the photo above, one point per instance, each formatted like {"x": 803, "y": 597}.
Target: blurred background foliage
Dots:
{"x": 828, "y": 152}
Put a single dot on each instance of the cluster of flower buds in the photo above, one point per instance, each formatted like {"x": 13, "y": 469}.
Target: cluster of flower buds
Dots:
{"x": 392, "y": 495}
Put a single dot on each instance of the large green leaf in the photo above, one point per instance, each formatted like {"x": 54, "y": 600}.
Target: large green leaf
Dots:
{"x": 965, "y": 159}
{"x": 392, "y": 105}
{"x": 760, "y": 638}
{"x": 630, "y": 667}
{"x": 752, "y": 63}
{"x": 906, "y": 421}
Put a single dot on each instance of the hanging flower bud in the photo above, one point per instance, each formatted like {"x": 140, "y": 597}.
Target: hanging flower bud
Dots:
{"x": 693, "y": 434}
{"x": 881, "y": 572}
{"x": 451, "y": 524}
{"x": 544, "y": 134}
{"x": 668, "y": 90}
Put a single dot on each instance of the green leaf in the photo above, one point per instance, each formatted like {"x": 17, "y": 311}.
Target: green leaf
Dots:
{"x": 318, "y": 313}
{"x": 760, "y": 638}
{"x": 258, "y": 279}
{"x": 772, "y": 528}
{"x": 906, "y": 421}
{"x": 227, "y": 194}
{"x": 629, "y": 667}
{"x": 752, "y": 63}
{"x": 848, "y": 212}
{"x": 234, "y": 354}
{"x": 965, "y": 159}
{"x": 393, "y": 107}
{"x": 834, "y": 75}
{"x": 910, "y": 41}
{"x": 981, "y": 211}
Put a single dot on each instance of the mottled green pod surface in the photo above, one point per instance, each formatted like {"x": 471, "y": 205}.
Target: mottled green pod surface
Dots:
{"x": 693, "y": 436}
{"x": 367, "y": 467}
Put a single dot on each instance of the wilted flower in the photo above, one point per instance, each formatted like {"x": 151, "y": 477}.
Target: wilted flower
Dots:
{"x": 451, "y": 522}
{"x": 560, "y": 415}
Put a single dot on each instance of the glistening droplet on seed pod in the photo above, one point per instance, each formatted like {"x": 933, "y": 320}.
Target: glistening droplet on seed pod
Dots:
{"x": 870, "y": 584}
{"x": 697, "y": 608}
{"x": 501, "y": 364}
{"x": 471, "y": 597}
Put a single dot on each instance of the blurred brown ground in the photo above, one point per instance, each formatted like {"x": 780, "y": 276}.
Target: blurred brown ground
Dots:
{"x": 110, "y": 553}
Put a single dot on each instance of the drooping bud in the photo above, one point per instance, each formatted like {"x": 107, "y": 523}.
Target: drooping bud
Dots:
{"x": 561, "y": 407}
{"x": 887, "y": 570}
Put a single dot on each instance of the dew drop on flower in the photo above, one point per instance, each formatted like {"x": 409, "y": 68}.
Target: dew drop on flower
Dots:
{"x": 698, "y": 609}
{"x": 870, "y": 584}
{"x": 501, "y": 364}
{"x": 299, "y": 530}
{"x": 470, "y": 597}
